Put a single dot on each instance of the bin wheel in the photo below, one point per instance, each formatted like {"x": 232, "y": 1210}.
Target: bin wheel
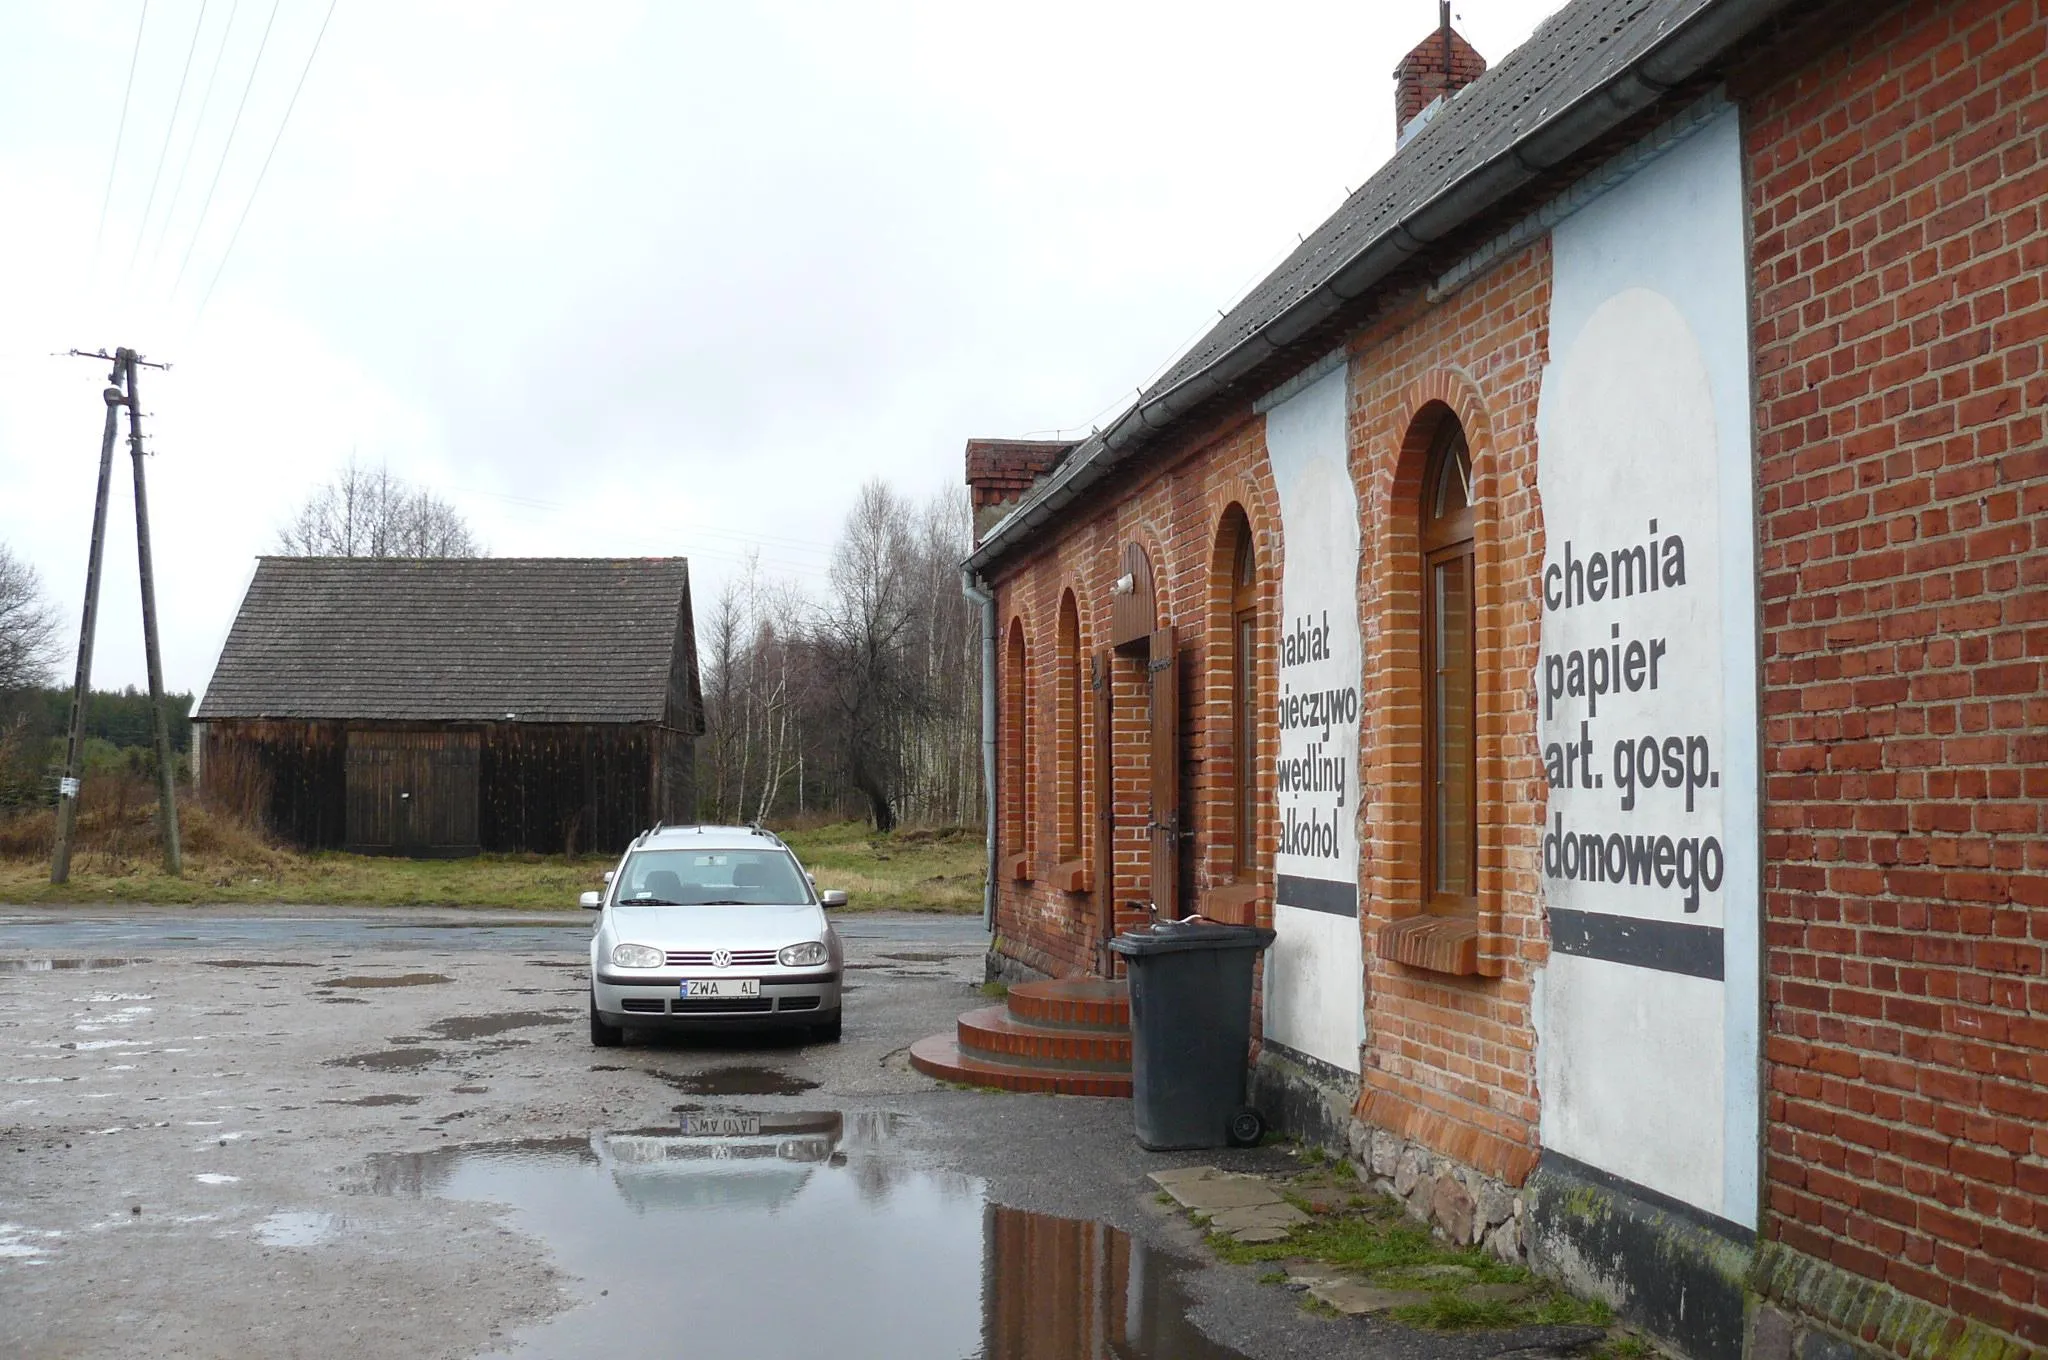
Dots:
{"x": 1247, "y": 1127}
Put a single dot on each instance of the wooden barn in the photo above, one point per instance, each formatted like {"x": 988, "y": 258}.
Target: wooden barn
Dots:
{"x": 442, "y": 707}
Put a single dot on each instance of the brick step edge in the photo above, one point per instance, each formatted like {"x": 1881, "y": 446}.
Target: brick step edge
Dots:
{"x": 993, "y": 1032}
{"x": 940, "y": 1056}
{"x": 1072, "y": 1004}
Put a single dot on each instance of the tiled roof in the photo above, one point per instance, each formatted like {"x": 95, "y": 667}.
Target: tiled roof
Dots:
{"x": 1585, "y": 71}
{"x": 1574, "y": 51}
{"x": 575, "y": 640}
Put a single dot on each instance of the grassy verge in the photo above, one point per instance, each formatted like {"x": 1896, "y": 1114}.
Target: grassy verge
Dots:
{"x": 118, "y": 862}
{"x": 1370, "y": 1236}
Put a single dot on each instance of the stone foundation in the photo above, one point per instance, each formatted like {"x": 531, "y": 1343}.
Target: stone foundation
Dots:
{"x": 1463, "y": 1206}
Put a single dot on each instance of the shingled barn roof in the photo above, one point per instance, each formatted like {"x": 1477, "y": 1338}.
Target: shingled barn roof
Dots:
{"x": 529, "y": 639}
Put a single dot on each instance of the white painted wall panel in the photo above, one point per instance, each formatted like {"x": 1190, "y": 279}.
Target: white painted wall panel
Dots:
{"x": 1314, "y": 991}
{"x": 1646, "y": 688}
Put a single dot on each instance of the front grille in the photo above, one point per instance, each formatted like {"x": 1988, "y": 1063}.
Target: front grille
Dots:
{"x": 644, "y": 1005}
{"x": 710, "y": 1005}
{"x": 799, "y": 1003}
{"x": 701, "y": 958}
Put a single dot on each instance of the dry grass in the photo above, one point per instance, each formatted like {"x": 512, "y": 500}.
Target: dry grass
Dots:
{"x": 118, "y": 858}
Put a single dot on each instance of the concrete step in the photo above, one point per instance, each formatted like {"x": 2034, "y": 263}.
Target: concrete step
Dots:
{"x": 940, "y": 1056}
{"x": 995, "y": 1033}
{"x": 1090, "y": 1003}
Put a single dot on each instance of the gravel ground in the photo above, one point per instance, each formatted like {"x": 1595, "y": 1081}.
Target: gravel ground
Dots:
{"x": 185, "y": 1136}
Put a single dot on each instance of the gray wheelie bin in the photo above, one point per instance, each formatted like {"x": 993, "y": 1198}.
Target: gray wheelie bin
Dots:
{"x": 1191, "y": 1030}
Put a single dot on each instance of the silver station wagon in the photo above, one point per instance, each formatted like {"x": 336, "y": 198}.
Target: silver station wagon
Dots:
{"x": 712, "y": 927}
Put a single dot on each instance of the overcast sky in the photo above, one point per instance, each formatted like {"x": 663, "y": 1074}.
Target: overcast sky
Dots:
{"x": 624, "y": 279}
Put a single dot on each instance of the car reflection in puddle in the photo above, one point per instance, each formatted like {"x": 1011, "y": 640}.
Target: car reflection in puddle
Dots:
{"x": 740, "y": 1233}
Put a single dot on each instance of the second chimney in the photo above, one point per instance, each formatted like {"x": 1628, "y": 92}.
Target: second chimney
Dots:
{"x": 1441, "y": 65}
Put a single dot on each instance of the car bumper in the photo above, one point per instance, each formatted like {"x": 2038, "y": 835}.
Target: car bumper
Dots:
{"x": 650, "y": 1000}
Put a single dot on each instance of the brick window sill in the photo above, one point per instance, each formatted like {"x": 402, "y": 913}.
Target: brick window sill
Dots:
{"x": 1017, "y": 868}
{"x": 1234, "y": 904}
{"x": 1072, "y": 876}
{"x": 1437, "y": 944}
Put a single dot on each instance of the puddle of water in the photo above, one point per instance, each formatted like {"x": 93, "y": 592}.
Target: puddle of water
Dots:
{"x": 750, "y": 1233}
{"x": 482, "y": 1026}
{"x": 253, "y": 963}
{"x": 299, "y": 1228}
{"x": 389, "y": 1060}
{"x": 737, "y": 1081}
{"x": 389, "y": 980}
{"x": 62, "y": 965}
{"x": 377, "y": 1100}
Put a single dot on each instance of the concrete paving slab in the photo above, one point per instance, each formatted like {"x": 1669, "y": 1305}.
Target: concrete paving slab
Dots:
{"x": 1257, "y": 1236}
{"x": 1180, "y": 1175}
{"x": 1281, "y": 1216}
{"x": 1216, "y": 1193}
{"x": 1355, "y": 1296}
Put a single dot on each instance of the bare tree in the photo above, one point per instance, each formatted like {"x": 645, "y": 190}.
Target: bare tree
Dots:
{"x": 876, "y": 688}
{"x": 368, "y": 512}
{"x": 28, "y": 626}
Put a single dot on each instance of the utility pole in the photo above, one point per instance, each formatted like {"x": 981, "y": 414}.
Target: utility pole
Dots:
{"x": 166, "y": 771}
{"x": 81, "y": 689}
{"x": 126, "y": 362}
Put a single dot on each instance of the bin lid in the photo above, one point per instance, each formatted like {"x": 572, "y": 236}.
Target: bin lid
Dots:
{"x": 1172, "y": 937}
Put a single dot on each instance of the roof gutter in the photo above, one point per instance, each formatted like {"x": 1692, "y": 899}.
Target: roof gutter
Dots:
{"x": 1681, "y": 54}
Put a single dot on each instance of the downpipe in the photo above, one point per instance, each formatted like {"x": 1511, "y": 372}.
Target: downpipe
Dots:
{"x": 972, "y": 588}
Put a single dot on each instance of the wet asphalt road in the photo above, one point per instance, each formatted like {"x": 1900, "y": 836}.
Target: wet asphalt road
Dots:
{"x": 380, "y": 1134}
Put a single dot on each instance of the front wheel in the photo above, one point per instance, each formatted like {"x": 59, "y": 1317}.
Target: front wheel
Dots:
{"x": 601, "y": 1034}
{"x": 1247, "y": 1127}
{"x": 830, "y": 1031}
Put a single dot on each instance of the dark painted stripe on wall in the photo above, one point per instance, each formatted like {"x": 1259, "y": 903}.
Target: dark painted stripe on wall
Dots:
{"x": 1317, "y": 894}
{"x": 1666, "y": 946}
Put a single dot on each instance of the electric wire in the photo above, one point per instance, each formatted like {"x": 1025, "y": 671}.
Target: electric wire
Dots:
{"x": 257, "y": 187}
{"x": 156, "y": 252}
{"x": 199, "y": 224}
{"x": 120, "y": 131}
{"x": 163, "y": 154}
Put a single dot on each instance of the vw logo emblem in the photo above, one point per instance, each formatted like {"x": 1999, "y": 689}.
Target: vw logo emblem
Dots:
{"x": 721, "y": 958}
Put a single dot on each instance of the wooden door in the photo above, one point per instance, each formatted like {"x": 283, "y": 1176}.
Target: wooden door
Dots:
{"x": 411, "y": 792}
{"x": 1163, "y": 670}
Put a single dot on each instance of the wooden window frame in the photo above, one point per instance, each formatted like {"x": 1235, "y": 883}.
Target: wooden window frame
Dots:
{"x": 1444, "y": 936}
{"x": 1445, "y": 539}
{"x": 1244, "y": 707}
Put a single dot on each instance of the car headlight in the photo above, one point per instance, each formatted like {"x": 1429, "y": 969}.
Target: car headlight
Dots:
{"x": 809, "y": 954}
{"x": 637, "y": 956}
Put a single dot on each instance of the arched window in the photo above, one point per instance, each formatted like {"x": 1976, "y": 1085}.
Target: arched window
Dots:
{"x": 1244, "y": 711}
{"x": 1451, "y": 821}
{"x": 1071, "y": 706}
{"x": 1016, "y": 765}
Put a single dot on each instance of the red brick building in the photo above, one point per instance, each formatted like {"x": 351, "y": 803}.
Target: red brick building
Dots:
{"x": 1592, "y": 600}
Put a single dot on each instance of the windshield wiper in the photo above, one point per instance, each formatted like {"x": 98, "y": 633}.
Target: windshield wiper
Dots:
{"x": 650, "y": 902}
{"x": 725, "y": 902}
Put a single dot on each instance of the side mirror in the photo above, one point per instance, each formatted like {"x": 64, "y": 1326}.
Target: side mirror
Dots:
{"x": 832, "y": 898}
{"x": 591, "y": 901}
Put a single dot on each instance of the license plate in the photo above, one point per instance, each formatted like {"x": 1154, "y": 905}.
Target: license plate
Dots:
{"x": 721, "y": 1125}
{"x": 719, "y": 988}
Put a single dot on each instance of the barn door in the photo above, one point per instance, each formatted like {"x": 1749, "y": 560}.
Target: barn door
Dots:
{"x": 1162, "y": 670}
{"x": 411, "y": 793}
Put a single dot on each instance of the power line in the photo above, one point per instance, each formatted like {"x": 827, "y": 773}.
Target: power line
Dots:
{"x": 163, "y": 154}
{"x": 120, "y": 131}
{"x": 192, "y": 142}
{"x": 256, "y": 188}
{"x": 200, "y": 223}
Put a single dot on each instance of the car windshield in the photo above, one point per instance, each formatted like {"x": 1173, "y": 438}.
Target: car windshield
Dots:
{"x": 694, "y": 878}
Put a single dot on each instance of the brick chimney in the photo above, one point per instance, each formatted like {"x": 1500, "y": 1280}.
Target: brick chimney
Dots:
{"x": 1441, "y": 65}
{"x": 1000, "y": 471}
